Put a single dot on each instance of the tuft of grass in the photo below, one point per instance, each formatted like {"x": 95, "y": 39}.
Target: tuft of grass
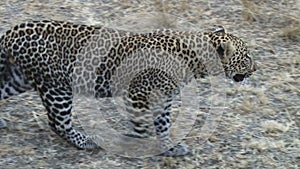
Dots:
{"x": 160, "y": 6}
{"x": 249, "y": 10}
{"x": 274, "y": 126}
{"x": 265, "y": 144}
{"x": 184, "y": 6}
{"x": 291, "y": 33}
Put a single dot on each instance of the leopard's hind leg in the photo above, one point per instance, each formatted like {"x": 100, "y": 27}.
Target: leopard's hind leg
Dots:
{"x": 12, "y": 81}
{"x": 12, "y": 78}
{"x": 153, "y": 90}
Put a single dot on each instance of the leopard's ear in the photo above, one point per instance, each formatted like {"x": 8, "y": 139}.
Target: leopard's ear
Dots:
{"x": 219, "y": 28}
{"x": 225, "y": 50}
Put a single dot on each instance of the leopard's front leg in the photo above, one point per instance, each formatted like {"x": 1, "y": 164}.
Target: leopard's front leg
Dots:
{"x": 57, "y": 100}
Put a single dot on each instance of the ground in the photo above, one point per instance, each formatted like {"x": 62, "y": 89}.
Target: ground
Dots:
{"x": 258, "y": 129}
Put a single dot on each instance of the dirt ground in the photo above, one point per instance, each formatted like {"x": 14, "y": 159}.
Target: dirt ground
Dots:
{"x": 258, "y": 129}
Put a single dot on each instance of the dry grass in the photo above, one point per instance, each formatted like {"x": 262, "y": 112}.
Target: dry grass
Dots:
{"x": 250, "y": 10}
{"x": 258, "y": 129}
{"x": 253, "y": 10}
{"x": 291, "y": 33}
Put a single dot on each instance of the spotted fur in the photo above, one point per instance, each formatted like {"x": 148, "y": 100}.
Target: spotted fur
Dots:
{"x": 57, "y": 58}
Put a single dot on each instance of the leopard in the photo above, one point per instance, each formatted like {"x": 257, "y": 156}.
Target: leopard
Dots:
{"x": 58, "y": 58}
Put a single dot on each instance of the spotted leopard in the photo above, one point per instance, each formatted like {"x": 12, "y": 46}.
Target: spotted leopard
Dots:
{"x": 55, "y": 58}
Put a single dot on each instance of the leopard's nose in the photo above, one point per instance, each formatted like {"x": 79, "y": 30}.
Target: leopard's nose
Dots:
{"x": 239, "y": 77}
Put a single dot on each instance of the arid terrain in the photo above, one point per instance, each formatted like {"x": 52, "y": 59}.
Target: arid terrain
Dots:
{"x": 259, "y": 127}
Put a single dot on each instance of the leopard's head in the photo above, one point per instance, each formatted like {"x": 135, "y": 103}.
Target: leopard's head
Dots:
{"x": 234, "y": 54}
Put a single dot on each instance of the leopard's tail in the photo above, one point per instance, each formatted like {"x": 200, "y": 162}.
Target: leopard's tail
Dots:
{"x": 12, "y": 79}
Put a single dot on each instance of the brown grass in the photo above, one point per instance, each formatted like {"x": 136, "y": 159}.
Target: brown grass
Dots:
{"x": 249, "y": 10}
{"x": 291, "y": 33}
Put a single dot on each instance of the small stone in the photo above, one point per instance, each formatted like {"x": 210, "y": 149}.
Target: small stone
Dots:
{"x": 3, "y": 123}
